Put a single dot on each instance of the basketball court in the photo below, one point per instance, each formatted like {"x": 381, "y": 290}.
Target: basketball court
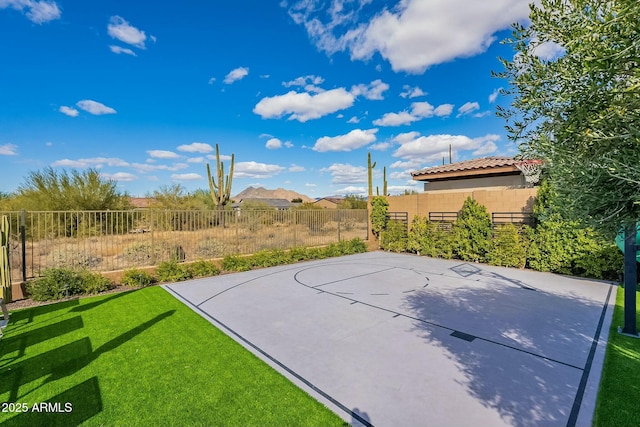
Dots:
{"x": 401, "y": 340}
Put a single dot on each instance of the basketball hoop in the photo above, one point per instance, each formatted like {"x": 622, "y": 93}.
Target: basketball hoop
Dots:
{"x": 531, "y": 170}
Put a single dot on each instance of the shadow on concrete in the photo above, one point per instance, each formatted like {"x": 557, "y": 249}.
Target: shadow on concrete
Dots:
{"x": 522, "y": 351}
{"x": 360, "y": 418}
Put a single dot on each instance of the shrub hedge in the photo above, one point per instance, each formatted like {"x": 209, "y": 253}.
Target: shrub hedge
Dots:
{"x": 57, "y": 283}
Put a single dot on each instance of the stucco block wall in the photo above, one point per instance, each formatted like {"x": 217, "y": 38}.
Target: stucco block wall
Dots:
{"x": 495, "y": 200}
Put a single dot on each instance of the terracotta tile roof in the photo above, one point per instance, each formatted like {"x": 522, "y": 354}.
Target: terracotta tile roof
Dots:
{"x": 467, "y": 165}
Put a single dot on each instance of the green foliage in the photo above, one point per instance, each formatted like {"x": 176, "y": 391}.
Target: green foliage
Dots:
{"x": 428, "y": 239}
{"x": 353, "y": 202}
{"x": 579, "y": 111}
{"x": 379, "y": 212}
{"x": 394, "y": 237}
{"x": 137, "y": 278}
{"x": 471, "y": 233}
{"x": 235, "y": 263}
{"x": 57, "y": 283}
{"x": 172, "y": 271}
{"x": 202, "y": 268}
{"x": 508, "y": 248}
{"x": 78, "y": 190}
{"x": 268, "y": 258}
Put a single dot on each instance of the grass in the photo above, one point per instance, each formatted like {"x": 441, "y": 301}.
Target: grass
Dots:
{"x": 140, "y": 358}
{"x": 619, "y": 393}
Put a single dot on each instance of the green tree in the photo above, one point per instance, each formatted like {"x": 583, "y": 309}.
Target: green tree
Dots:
{"x": 579, "y": 110}
{"x": 353, "y": 201}
{"x": 379, "y": 217}
{"x": 471, "y": 233}
{"x": 78, "y": 190}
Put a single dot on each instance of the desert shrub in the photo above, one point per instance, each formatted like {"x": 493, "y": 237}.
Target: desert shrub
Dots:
{"x": 269, "y": 258}
{"x": 379, "y": 211}
{"x": 142, "y": 253}
{"x": 508, "y": 248}
{"x": 57, "y": 283}
{"x": 471, "y": 232}
{"x": 422, "y": 237}
{"x": 72, "y": 257}
{"x": 172, "y": 271}
{"x": 394, "y": 237}
{"x": 204, "y": 269}
{"x": 210, "y": 248}
{"x": 605, "y": 262}
{"x": 139, "y": 278}
{"x": 298, "y": 254}
{"x": 235, "y": 263}
{"x": 356, "y": 246}
{"x": 93, "y": 283}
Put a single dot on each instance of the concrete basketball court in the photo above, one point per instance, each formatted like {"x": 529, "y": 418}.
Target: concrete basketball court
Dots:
{"x": 400, "y": 340}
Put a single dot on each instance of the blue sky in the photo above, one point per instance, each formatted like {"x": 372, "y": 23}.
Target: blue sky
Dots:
{"x": 299, "y": 91}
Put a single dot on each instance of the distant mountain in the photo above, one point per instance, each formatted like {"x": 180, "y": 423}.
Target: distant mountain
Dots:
{"x": 263, "y": 193}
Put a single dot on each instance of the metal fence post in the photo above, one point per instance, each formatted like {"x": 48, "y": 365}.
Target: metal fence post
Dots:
{"x": 23, "y": 243}
{"x": 339, "y": 215}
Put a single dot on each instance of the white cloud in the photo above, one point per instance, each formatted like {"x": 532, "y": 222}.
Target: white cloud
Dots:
{"x": 69, "y": 111}
{"x": 419, "y": 111}
{"x": 36, "y": 11}
{"x": 120, "y": 176}
{"x": 195, "y": 160}
{"x": 304, "y": 106}
{"x": 8, "y": 150}
{"x": 444, "y": 110}
{"x": 162, "y": 154}
{"x": 487, "y": 148}
{"x": 97, "y": 162}
{"x": 381, "y": 146}
{"x": 346, "y": 174}
{"x": 118, "y": 50}
{"x": 296, "y": 168}
{"x": 396, "y": 119}
{"x": 288, "y": 144}
{"x": 483, "y": 114}
{"x": 353, "y": 120}
{"x": 372, "y": 91}
{"x": 236, "y": 74}
{"x": 433, "y": 147}
{"x": 310, "y": 184}
{"x": 120, "y": 29}
{"x": 309, "y": 83}
{"x": 468, "y": 108}
{"x": 548, "y": 51}
{"x": 211, "y": 80}
{"x": 407, "y": 165}
{"x": 273, "y": 144}
{"x": 352, "y": 189}
{"x": 145, "y": 167}
{"x": 186, "y": 177}
{"x": 411, "y": 92}
{"x": 256, "y": 170}
{"x": 196, "y": 147}
{"x": 413, "y": 35}
{"x": 95, "y": 108}
{"x": 355, "y": 139}
{"x": 494, "y": 95}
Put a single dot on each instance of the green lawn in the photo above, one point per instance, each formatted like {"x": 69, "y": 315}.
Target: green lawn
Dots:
{"x": 140, "y": 358}
{"x": 619, "y": 395}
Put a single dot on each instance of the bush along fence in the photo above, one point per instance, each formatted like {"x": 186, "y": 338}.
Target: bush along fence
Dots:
{"x": 103, "y": 241}
{"x": 552, "y": 244}
{"x": 57, "y": 283}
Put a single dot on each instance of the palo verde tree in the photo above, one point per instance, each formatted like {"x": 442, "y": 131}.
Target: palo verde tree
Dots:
{"x": 578, "y": 109}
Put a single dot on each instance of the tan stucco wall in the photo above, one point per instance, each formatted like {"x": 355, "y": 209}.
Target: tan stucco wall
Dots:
{"x": 495, "y": 200}
{"x": 325, "y": 204}
{"x": 471, "y": 184}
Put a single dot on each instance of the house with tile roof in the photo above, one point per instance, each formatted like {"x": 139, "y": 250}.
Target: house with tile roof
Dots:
{"x": 477, "y": 174}
{"x": 328, "y": 202}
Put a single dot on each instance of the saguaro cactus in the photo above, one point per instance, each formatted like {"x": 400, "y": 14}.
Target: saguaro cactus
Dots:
{"x": 384, "y": 181}
{"x": 220, "y": 190}
{"x": 370, "y": 171}
{"x": 5, "y": 266}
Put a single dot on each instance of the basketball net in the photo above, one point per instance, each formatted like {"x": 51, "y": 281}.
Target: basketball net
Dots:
{"x": 531, "y": 170}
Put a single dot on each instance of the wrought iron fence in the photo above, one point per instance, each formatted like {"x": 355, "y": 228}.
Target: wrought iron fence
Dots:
{"x": 115, "y": 240}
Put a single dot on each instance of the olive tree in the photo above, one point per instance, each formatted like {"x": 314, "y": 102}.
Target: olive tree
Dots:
{"x": 574, "y": 82}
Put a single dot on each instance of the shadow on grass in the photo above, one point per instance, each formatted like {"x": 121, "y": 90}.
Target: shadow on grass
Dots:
{"x": 69, "y": 408}
{"x": 64, "y": 360}
{"x": 522, "y": 351}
